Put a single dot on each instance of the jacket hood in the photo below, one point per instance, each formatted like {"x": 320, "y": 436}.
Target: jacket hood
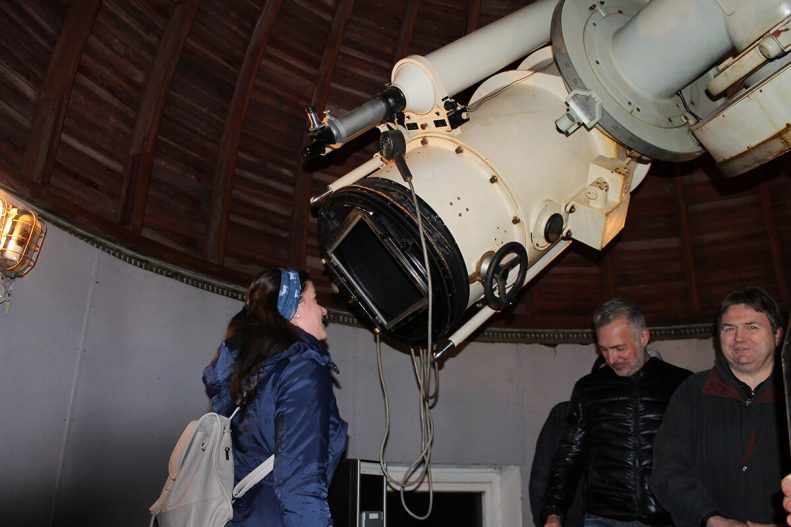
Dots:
{"x": 722, "y": 381}
{"x": 217, "y": 375}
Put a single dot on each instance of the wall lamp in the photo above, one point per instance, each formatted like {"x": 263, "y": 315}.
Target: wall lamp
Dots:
{"x": 21, "y": 238}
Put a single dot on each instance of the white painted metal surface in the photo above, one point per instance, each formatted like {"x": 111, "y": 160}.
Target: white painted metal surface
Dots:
{"x": 491, "y": 179}
{"x": 472, "y": 58}
{"x": 753, "y": 128}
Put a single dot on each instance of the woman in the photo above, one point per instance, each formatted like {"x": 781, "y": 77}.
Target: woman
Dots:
{"x": 274, "y": 365}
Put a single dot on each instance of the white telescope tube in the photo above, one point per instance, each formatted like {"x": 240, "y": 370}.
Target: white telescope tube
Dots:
{"x": 472, "y": 58}
{"x": 670, "y": 43}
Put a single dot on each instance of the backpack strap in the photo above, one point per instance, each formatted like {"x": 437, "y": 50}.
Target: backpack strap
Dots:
{"x": 256, "y": 475}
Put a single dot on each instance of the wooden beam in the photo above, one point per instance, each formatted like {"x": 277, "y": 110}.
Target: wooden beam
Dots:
{"x": 297, "y": 253}
{"x": 53, "y": 100}
{"x": 407, "y": 29}
{"x": 217, "y": 232}
{"x": 136, "y": 176}
{"x": 473, "y": 15}
{"x": 686, "y": 241}
{"x": 772, "y": 237}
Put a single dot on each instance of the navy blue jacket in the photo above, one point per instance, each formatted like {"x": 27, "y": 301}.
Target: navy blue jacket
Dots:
{"x": 293, "y": 415}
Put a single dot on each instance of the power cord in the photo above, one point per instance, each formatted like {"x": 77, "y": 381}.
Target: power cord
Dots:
{"x": 423, "y": 364}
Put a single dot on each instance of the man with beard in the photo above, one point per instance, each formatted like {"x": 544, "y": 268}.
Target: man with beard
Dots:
{"x": 613, "y": 417}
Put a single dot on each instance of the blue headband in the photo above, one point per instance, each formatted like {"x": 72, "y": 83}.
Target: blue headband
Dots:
{"x": 290, "y": 291}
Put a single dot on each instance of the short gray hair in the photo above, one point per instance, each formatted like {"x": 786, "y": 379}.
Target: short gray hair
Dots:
{"x": 616, "y": 308}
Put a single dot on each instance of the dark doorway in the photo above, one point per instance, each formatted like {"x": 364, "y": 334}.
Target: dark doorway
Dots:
{"x": 449, "y": 509}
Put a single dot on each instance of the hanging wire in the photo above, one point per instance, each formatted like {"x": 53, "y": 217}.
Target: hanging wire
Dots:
{"x": 473, "y": 107}
{"x": 680, "y": 95}
{"x": 423, "y": 365}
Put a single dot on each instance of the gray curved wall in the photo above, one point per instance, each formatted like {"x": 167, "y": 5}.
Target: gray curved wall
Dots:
{"x": 100, "y": 365}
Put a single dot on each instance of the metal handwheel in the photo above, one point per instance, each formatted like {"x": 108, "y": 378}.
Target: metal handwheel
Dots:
{"x": 496, "y": 277}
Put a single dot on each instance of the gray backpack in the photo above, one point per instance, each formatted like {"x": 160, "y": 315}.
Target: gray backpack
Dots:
{"x": 199, "y": 491}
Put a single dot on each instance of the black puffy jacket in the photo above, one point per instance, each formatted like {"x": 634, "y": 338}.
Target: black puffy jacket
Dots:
{"x": 609, "y": 440}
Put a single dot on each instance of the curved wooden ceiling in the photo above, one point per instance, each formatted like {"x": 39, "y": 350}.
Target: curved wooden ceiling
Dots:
{"x": 174, "y": 129}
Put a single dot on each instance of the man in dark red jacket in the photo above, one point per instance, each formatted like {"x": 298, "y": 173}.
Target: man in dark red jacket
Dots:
{"x": 613, "y": 416}
{"x": 723, "y": 445}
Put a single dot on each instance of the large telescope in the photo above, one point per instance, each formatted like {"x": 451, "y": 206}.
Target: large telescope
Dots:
{"x": 543, "y": 154}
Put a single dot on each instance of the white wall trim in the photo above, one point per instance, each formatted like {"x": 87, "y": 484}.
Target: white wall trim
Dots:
{"x": 501, "y": 487}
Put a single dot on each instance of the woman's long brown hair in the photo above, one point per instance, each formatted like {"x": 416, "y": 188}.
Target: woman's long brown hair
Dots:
{"x": 258, "y": 332}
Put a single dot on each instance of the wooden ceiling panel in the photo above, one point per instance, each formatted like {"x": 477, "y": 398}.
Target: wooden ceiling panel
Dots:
{"x": 438, "y": 23}
{"x": 274, "y": 159}
{"x": 728, "y": 234}
{"x": 270, "y": 218}
{"x": 574, "y": 275}
{"x": 251, "y": 249}
{"x": 281, "y": 85}
{"x": 267, "y": 220}
{"x": 93, "y": 165}
{"x": 650, "y": 251}
{"x": 783, "y": 252}
{"x": 262, "y": 178}
{"x": 25, "y": 49}
{"x": 215, "y": 45}
{"x": 95, "y": 138}
{"x": 144, "y": 20}
{"x": 358, "y": 80}
{"x": 381, "y": 24}
{"x": 301, "y": 33}
{"x": 641, "y": 273}
{"x": 370, "y": 41}
{"x": 30, "y": 31}
{"x": 492, "y": 10}
{"x": 272, "y": 132}
{"x": 191, "y": 129}
{"x": 178, "y": 223}
{"x": 27, "y": 40}
{"x": 657, "y": 194}
{"x": 373, "y": 36}
{"x": 76, "y": 184}
{"x": 175, "y": 186}
{"x": 124, "y": 40}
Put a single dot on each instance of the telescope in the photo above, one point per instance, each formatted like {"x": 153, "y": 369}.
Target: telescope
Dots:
{"x": 466, "y": 203}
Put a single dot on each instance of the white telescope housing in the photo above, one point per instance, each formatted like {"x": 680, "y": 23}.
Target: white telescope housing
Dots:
{"x": 505, "y": 183}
